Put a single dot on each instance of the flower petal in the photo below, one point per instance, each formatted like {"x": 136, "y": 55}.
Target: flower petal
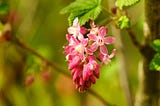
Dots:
{"x": 80, "y": 37}
{"x": 92, "y": 79}
{"x": 103, "y": 50}
{"x": 102, "y": 31}
{"x": 112, "y": 54}
{"x": 73, "y": 63}
{"x": 94, "y": 47}
{"x": 92, "y": 37}
{"x": 85, "y": 72}
{"x": 109, "y": 40}
{"x": 73, "y": 41}
{"x": 84, "y": 42}
{"x": 75, "y": 22}
{"x": 82, "y": 30}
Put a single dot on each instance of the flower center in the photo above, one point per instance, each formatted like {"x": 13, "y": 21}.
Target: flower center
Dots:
{"x": 79, "y": 48}
{"x": 100, "y": 41}
{"x": 94, "y": 31}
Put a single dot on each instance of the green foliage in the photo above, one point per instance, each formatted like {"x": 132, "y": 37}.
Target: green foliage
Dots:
{"x": 155, "y": 63}
{"x": 121, "y": 3}
{"x": 123, "y": 22}
{"x": 84, "y": 10}
{"x": 156, "y": 45}
{"x": 4, "y": 8}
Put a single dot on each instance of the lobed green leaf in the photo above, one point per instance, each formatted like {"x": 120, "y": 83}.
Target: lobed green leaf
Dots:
{"x": 123, "y": 22}
{"x": 121, "y": 3}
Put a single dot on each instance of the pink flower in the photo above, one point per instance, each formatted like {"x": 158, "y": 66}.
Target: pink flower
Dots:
{"x": 76, "y": 30}
{"x": 80, "y": 53}
{"x": 76, "y": 47}
{"x": 101, "y": 40}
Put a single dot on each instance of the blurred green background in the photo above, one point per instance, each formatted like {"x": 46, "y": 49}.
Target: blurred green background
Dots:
{"x": 42, "y": 27}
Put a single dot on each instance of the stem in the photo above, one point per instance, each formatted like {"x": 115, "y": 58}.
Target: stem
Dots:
{"x": 53, "y": 65}
{"x": 133, "y": 38}
{"x": 25, "y": 47}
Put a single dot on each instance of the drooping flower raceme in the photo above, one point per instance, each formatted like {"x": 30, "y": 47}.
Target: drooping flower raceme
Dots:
{"x": 87, "y": 52}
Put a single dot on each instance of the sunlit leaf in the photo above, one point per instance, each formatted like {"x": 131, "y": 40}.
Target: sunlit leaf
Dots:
{"x": 155, "y": 63}
{"x": 123, "y": 22}
{"x": 156, "y": 45}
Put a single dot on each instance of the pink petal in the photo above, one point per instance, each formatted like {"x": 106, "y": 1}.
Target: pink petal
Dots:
{"x": 73, "y": 41}
{"x": 80, "y": 37}
{"x": 101, "y": 56}
{"x": 96, "y": 73}
{"x": 109, "y": 40}
{"x": 103, "y": 50}
{"x": 112, "y": 54}
{"x": 73, "y": 63}
{"x": 75, "y": 22}
{"x": 82, "y": 30}
{"x": 94, "y": 47}
{"x": 85, "y": 42}
{"x": 73, "y": 71}
{"x": 68, "y": 37}
{"x": 75, "y": 76}
{"x": 92, "y": 37}
{"x": 81, "y": 82}
{"x": 92, "y": 79}
{"x": 102, "y": 31}
{"x": 85, "y": 72}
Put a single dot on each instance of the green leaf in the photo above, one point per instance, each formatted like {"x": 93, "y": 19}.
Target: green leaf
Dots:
{"x": 155, "y": 63}
{"x": 123, "y": 22}
{"x": 121, "y": 3}
{"x": 84, "y": 10}
{"x": 156, "y": 45}
{"x": 4, "y": 8}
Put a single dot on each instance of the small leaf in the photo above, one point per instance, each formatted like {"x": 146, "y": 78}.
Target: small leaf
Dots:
{"x": 84, "y": 10}
{"x": 123, "y": 22}
{"x": 121, "y": 3}
{"x": 155, "y": 63}
{"x": 156, "y": 45}
{"x": 4, "y": 8}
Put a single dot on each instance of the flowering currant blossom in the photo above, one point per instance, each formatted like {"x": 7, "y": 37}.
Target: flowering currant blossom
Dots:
{"x": 83, "y": 55}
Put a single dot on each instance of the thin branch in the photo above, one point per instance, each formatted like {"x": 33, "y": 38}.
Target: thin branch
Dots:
{"x": 133, "y": 38}
{"x": 55, "y": 66}
{"x": 28, "y": 49}
{"x": 100, "y": 98}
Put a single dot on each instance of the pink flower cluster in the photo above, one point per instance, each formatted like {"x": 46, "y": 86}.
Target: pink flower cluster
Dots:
{"x": 86, "y": 52}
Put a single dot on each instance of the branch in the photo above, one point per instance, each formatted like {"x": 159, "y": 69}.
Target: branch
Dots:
{"x": 55, "y": 66}
{"x": 133, "y": 38}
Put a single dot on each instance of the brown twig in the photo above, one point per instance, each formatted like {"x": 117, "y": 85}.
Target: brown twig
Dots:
{"x": 133, "y": 38}
{"x": 55, "y": 66}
